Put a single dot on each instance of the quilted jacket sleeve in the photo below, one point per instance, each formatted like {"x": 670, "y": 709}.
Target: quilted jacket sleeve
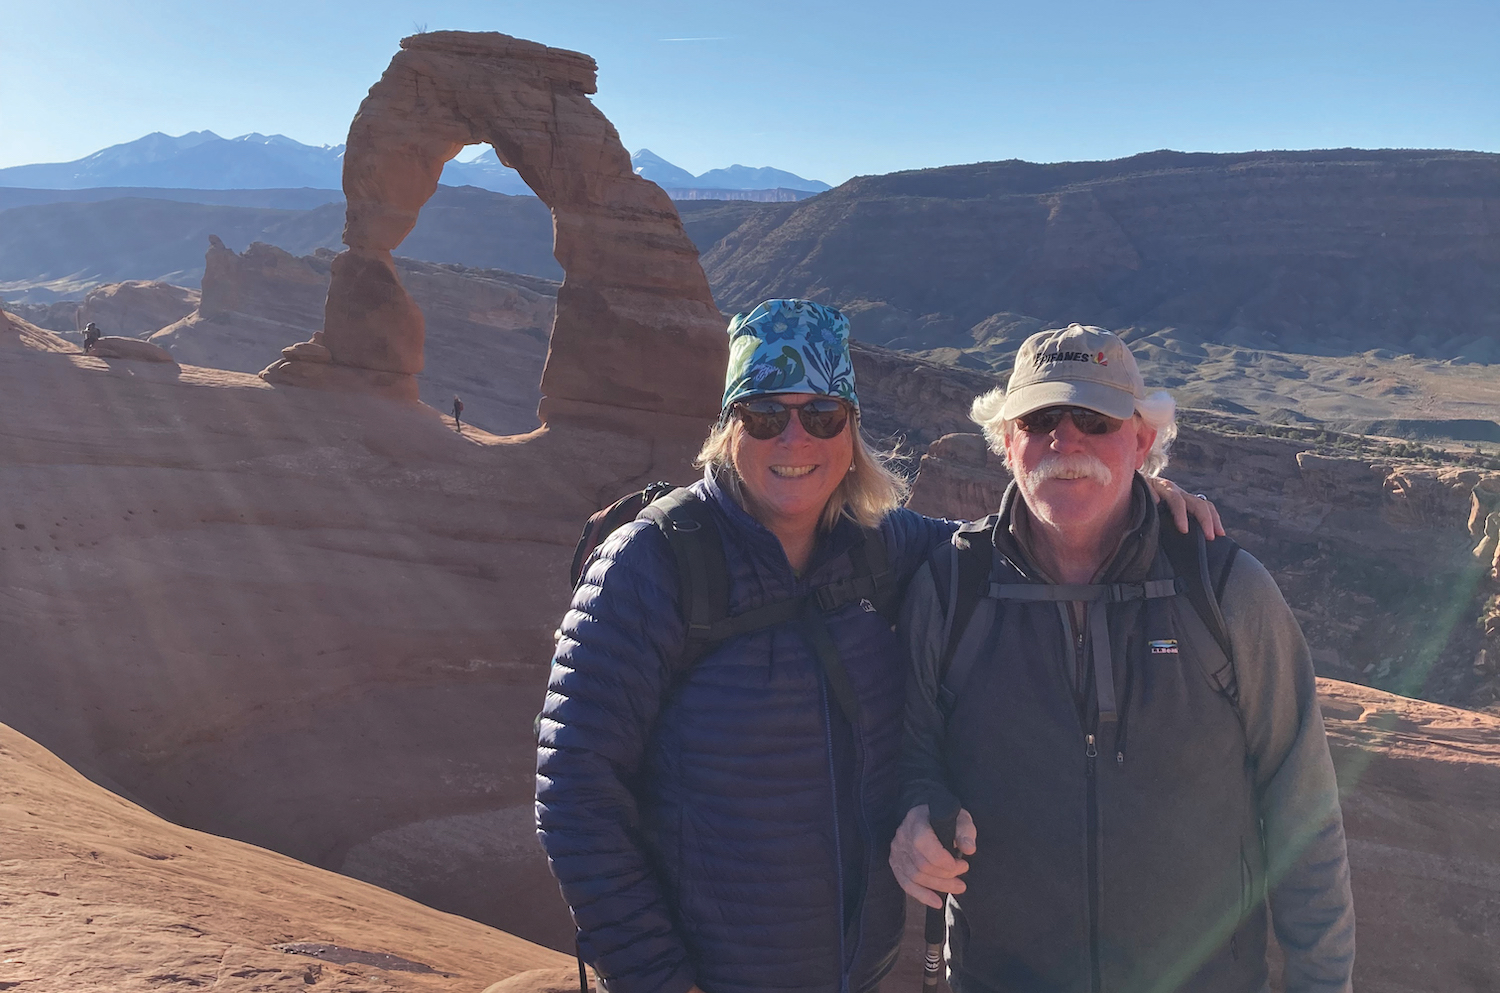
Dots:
{"x": 911, "y": 537}
{"x": 612, "y": 663}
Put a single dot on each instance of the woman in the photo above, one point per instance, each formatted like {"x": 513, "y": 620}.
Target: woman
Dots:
{"x": 725, "y": 825}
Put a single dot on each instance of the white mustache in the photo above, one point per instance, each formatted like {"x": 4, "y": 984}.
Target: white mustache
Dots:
{"x": 1079, "y": 465}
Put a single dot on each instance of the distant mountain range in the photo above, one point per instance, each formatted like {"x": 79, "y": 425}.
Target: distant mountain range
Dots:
{"x": 58, "y": 247}
{"x": 649, "y": 165}
{"x": 204, "y": 161}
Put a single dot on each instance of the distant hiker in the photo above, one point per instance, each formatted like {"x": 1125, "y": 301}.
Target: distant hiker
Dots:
{"x": 1128, "y": 718}
{"x": 458, "y": 409}
{"x": 716, "y": 798}
{"x": 91, "y": 337}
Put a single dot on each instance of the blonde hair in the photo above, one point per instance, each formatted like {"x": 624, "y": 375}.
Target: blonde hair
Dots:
{"x": 869, "y": 491}
{"x": 1157, "y": 410}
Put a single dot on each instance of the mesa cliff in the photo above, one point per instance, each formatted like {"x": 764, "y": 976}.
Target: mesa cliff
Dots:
{"x": 1330, "y": 252}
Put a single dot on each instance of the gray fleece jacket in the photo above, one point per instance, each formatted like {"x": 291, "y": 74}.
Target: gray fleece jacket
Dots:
{"x": 1153, "y": 867}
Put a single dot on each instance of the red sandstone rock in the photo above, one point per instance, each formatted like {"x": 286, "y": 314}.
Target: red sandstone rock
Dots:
{"x": 564, "y": 980}
{"x": 486, "y": 340}
{"x": 960, "y": 478}
{"x": 317, "y": 622}
{"x": 264, "y": 280}
{"x": 632, "y": 274}
{"x": 137, "y": 307}
{"x": 308, "y": 351}
{"x": 100, "y": 894}
{"x": 112, "y": 347}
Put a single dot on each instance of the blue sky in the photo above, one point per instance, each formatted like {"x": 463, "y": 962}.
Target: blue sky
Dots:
{"x": 824, "y": 90}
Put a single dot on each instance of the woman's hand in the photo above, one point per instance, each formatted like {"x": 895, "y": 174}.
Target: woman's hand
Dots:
{"x": 1182, "y": 503}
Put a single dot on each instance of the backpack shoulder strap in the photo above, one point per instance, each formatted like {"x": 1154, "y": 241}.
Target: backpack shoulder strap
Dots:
{"x": 606, "y": 522}
{"x": 967, "y": 581}
{"x": 703, "y": 575}
{"x": 1202, "y": 568}
{"x": 970, "y": 561}
{"x": 870, "y": 578}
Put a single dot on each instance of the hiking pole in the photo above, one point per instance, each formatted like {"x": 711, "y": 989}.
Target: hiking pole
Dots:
{"x": 943, "y": 817}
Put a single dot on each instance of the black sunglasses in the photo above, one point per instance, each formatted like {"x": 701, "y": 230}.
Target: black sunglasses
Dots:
{"x": 1046, "y": 420}
{"x": 766, "y": 419}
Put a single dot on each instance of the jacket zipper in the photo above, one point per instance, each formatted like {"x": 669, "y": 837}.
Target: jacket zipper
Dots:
{"x": 1091, "y": 804}
{"x": 1091, "y": 755}
{"x": 838, "y": 846}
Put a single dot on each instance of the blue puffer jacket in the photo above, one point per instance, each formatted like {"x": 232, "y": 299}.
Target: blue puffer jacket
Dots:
{"x": 698, "y": 825}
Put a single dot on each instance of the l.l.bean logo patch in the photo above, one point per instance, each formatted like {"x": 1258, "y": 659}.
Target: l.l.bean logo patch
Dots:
{"x": 1166, "y": 646}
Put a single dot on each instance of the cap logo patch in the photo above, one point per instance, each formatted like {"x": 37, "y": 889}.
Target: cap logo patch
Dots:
{"x": 1047, "y": 358}
{"x": 1166, "y": 646}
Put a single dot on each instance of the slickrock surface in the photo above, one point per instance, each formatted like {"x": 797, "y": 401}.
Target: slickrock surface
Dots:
{"x": 114, "y": 347}
{"x": 97, "y": 893}
{"x": 315, "y": 622}
{"x": 632, "y": 274}
{"x": 486, "y": 329}
{"x": 136, "y": 307}
{"x": 1419, "y": 785}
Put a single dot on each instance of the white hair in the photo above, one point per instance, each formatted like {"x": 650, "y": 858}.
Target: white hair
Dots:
{"x": 1157, "y": 410}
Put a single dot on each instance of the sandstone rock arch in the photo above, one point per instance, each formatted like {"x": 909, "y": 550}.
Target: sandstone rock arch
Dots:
{"x": 636, "y": 325}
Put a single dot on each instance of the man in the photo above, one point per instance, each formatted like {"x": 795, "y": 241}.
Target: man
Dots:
{"x": 91, "y": 335}
{"x": 1133, "y": 794}
{"x": 458, "y": 410}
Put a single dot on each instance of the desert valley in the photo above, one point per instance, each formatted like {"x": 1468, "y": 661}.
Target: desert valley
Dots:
{"x": 274, "y": 632}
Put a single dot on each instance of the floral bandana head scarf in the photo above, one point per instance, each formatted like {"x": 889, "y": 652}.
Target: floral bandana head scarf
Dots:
{"x": 789, "y": 346}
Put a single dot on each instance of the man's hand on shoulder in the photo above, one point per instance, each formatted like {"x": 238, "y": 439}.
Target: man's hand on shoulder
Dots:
{"x": 923, "y": 868}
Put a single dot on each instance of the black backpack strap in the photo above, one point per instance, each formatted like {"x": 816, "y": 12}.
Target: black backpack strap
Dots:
{"x": 1202, "y": 568}
{"x": 703, "y": 580}
{"x": 969, "y": 564}
{"x": 840, "y": 686}
{"x": 703, "y": 574}
{"x": 870, "y": 578}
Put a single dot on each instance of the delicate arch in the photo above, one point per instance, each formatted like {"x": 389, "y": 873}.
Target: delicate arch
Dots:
{"x": 636, "y": 325}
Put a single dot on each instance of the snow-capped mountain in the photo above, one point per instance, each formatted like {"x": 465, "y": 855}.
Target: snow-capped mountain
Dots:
{"x": 201, "y": 160}
{"x": 197, "y": 160}
{"x": 737, "y": 177}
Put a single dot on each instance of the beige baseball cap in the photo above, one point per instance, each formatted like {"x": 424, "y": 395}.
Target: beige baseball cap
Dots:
{"x": 1077, "y": 366}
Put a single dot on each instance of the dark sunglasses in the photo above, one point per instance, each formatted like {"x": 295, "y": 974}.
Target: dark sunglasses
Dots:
{"x": 766, "y": 419}
{"x": 1046, "y": 420}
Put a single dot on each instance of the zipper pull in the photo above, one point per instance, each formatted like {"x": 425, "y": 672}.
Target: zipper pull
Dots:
{"x": 1119, "y": 758}
{"x": 1091, "y": 750}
